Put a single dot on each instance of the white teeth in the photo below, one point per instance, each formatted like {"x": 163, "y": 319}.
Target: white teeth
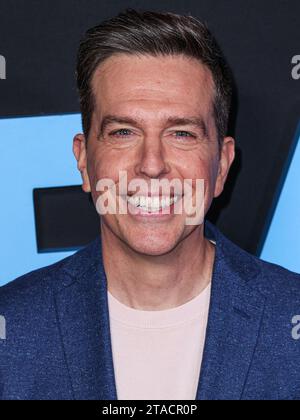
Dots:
{"x": 155, "y": 202}
{"x": 152, "y": 204}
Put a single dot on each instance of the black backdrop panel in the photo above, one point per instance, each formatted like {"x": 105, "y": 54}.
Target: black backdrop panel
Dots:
{"x": 260, "y": 38}
{"x": 65, "y": 218}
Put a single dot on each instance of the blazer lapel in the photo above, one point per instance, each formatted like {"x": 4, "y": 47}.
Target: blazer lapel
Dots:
{"x": 83, "y": 316}
{"x": 234, "y": 322}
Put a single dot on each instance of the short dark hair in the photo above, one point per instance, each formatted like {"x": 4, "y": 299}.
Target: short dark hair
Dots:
{"x": 153, "y": 33}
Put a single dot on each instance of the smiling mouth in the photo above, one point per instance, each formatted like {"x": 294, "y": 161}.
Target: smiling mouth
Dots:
{"x": 151, "y": 204}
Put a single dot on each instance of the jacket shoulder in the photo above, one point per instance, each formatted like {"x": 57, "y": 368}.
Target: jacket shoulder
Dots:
{"x": 281, "y": 284}
{"x": 271, "y": 279}
{"x": 46, "y": 279}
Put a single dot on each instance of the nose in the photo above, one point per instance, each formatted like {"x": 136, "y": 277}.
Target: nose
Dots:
{"x": 152, "y": 159}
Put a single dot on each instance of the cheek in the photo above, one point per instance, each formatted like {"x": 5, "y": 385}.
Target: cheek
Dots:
{"x": 105, "y": 166}
{"x": 100, "y": 166}
{"x": 205, "y": 168}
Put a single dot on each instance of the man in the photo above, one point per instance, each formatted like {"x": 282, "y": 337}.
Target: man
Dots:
{"x": 156, "y": 308}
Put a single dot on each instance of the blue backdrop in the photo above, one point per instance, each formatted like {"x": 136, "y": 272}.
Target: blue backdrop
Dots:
{"x": 37, "y": 152}
{"x": 282, "y": 245}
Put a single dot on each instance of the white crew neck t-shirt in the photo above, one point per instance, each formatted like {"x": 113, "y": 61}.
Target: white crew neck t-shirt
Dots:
{"x": 157, "y": 355}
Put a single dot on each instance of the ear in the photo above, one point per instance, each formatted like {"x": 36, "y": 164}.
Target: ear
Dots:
{"x": 226, "y": 158}
{"x": 80, "y": 153}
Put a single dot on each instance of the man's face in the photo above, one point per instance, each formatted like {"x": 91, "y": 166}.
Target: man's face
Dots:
{"x": 153, "y": 118}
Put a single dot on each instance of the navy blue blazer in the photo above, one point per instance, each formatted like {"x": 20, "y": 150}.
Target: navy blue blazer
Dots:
{"x": 58, "y": 342}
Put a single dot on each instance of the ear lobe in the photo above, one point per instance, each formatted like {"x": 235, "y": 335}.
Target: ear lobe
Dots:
{"x": 79, "y": 151}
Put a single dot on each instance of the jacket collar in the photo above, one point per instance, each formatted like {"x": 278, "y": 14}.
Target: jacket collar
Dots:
{"x": 82, "y": 308}
{"x": 235, "y": 315}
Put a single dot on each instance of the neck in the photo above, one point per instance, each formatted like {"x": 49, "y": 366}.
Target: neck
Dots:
{"x": 153, "y": 283}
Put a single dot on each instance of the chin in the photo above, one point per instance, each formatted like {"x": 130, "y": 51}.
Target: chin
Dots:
{"x": 152, "y": 245}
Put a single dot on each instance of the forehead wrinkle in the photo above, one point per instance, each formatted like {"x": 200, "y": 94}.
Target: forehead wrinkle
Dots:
{"x": 110, "y": 73}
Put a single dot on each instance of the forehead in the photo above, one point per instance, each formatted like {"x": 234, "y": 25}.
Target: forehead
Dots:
{"x": 149, "y": 83}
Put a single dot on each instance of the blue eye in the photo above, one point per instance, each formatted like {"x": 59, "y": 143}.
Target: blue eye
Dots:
{"x": 184, "y": 134}
{"x": 123, "y": 132}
